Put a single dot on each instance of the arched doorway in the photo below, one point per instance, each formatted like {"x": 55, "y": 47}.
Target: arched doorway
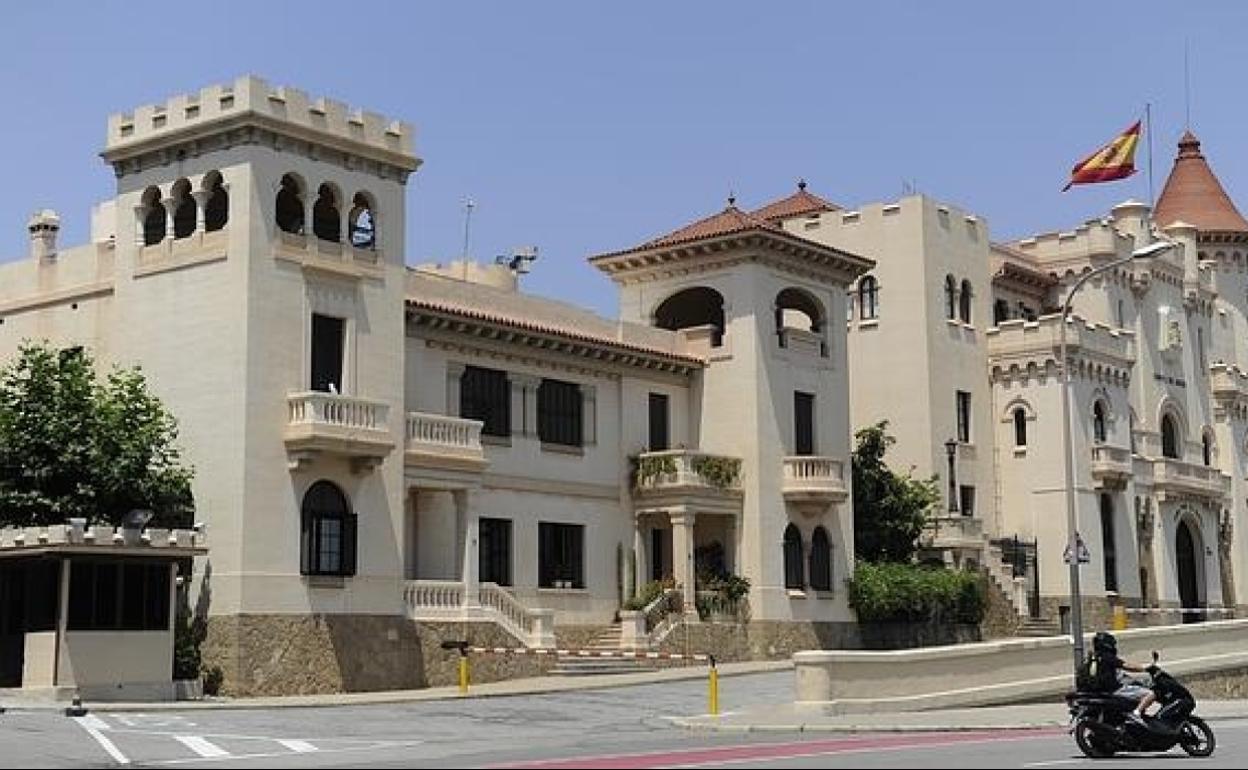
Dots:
{"x": 1187, "y": 561}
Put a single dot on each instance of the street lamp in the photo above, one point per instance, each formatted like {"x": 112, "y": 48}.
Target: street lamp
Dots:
{"x": 951, "y": 449}
{"x": 1072, "y": 533}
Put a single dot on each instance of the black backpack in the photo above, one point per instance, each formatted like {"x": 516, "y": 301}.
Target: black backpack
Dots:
{"x": 1096, "y": 675}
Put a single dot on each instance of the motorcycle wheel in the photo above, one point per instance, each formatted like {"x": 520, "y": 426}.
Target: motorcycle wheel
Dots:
{"x": 1196, "y": 738}
{"x": 1091, "y": 744}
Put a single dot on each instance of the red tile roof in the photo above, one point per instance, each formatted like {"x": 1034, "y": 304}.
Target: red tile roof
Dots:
{"x": 797, "y": 204}
{"x": 1193, "y": 194}
{"x": 730, "y": 220}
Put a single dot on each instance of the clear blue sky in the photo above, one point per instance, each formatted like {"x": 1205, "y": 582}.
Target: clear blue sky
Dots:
{"x": 589, "y": 127}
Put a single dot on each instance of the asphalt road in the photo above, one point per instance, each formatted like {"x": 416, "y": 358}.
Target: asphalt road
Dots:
{"x": 619, "y": 728}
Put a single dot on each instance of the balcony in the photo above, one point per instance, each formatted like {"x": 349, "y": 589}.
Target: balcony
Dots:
{"x": 814, "y": 481}
{"x": 346, "y": 426}
{"x": 710, "y": 482}
{"x": 801, "y": 342}
{"x": 1177, "y": 478}
{"x": 1111, "y": 466}
{"x": 440, "y": 442}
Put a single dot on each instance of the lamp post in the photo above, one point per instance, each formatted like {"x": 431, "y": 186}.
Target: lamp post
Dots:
{"x": 1072, "y": 532}
{"x": 951, "y": 450}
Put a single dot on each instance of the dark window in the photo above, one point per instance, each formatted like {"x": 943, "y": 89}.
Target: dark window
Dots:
{"x": 1169, "y": 438}
{"x": 112, "y": 595}
{"x": 328, "y": 536}
{"x": 1206, "y": 449}
{"x": 820, "y": 560}
{"x": 659, "y": 438}
{"x": 327, "y": 334}
{"x": 1099, "y": 432}
{"x": 495, "y": 551}
{"x": 326, "y": 221}
{"x": 695, "y": 306}
{"x": 803, "y": 423}
{"x": 868, "y": 297}
{"x": 657, "y": 562}
{"x": 485, "y": 395}
{"x": 964, "y": 416}
{"x": 793, "y": 577}
{"x": 217, "y": 210}
{"x": 1108, "y": 544}
{"x": 184, "y": 216}
{"x": 154, "y": 217}
{"x": 1020, "y": 427}
{"x": 966, "y": 496}
{"x": 1000, "y": 312}
{"x": 951, "y": 297}
{"x": 560, "y": 555}
{"x": 964, "y": 302}
{"x": 290, "y": 206}
{"x": 559, "y": 409}
{"x": 363, "y": 223}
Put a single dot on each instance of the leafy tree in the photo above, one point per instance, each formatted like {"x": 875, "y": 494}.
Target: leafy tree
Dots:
{"x": 72, "y": 446}
{"x": 889, "y": 508}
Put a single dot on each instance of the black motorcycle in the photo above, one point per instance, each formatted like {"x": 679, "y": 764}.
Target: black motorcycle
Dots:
{"x": 1102, "y": 727}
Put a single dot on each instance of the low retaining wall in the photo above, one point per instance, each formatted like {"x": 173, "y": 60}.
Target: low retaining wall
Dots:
{"x": 852, "y": 681}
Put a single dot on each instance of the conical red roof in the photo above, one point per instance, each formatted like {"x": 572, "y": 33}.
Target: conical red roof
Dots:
{"x": 1193, "y": 194}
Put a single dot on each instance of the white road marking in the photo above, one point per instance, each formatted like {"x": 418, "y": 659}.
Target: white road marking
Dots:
{"x": 202, "y": 746}
{"x": 376, "y": 746}
{"x": 301, "y": 747}
{"x": 1052, "y": 762}
{"x": 95, "y": 727}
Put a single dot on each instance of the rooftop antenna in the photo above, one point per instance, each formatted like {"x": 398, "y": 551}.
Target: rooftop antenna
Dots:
{"x": 1187, "y": 89}
{"x": 469, "y": 205}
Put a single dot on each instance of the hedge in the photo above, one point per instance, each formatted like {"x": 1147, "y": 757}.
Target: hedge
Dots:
{"x": 910, "y": 592}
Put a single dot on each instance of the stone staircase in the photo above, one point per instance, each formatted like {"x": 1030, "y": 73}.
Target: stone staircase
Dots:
{"x": 597, "y": 657}
{"x": 1038, "y": 627}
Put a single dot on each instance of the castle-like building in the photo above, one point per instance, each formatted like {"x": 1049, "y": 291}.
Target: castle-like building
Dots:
{"x": 388, "y": 456}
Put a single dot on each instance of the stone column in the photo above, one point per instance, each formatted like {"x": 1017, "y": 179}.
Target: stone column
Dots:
{"x": 171, "y": 205}
{"x": 589, "y": 415}
{"x": 140, "y": 220}
{"x": 641, "y": 562}
{"x": 467, "y": 522}
{"x": 682, "y": 556}
{"x": 201, "y": 208}
{"x": 524, "y": 404}
{"x": 62, "y": 622}
{"x": 454, "y": 372}
{"x": 308, "y": 203}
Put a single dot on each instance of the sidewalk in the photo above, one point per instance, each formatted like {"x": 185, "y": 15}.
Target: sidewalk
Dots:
{"x": 813, "y": 718}
{"x": 15, "y": 701}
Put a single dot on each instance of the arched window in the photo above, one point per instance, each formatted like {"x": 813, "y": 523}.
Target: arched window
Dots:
{"x": 820, "y": 560}
{"x": 696, "y": 306}
{"x": 290, "y": 206}
{"x": 363, "y": 223}
{"x": 1000, "y": 312}
{"x": 153, "y": 217}
{"x": 1099, "y": 433}
{"x": 1169, "y": 437}
{"x": 798, "y": 309}
{"x": 328, "y": 541}
{"x": 1206, "y": 448}
{"x": 793, "y": 577}
{"x": 1108, "y": 544}
{"x": 217, "y": 209}
{"x": 1020, "y": 427}
{"x": 184, "y": 209}
{"x": 868, "y": 297}
{"x": 964, "y": 302}
{"x": 326, "y": 221}
{"x": 951, "y": 297}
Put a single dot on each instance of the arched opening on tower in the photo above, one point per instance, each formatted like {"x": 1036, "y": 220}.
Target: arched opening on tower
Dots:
{"x": 153, "y": 217}
{"x": 363, "y": 222}
{"x": 184, "y": 210}
{"x": 692, "y": 307}
{"x": 326, "y": 221}
{"x": 217, "y": 209}
{"x": 290, "y": 206}
{"x": 798, "y": 309}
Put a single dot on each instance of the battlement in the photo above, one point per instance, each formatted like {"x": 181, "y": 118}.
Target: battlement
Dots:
{"x": 187, "y": 115}
{"x": 1095, "y": 238}
{"x": 1018, "y": 338}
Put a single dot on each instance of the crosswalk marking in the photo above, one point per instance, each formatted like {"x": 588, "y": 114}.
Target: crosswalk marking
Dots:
{"x": 201, "y": 746}
{"x": 302, "y": 747}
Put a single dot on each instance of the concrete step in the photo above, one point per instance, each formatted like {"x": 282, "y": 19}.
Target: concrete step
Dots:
{"x": 1037, "y": 627}
{"x": 574, "y": 665}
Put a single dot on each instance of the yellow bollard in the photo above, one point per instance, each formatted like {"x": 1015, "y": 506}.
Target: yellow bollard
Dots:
{"x": 1120, "y": 618}
{"x": 713, "y": 690}
{"x": 463, "y": 674}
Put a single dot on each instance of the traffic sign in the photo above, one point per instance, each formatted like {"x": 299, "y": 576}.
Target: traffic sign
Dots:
{"x": 1084, "y": 556}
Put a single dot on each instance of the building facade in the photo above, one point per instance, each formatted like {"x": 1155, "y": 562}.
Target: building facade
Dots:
{"x": 379, "y": 449}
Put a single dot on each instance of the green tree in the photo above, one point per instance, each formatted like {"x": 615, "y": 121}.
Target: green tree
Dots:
{"x": 890, "y": 509}
{"x": 72, "y": 446}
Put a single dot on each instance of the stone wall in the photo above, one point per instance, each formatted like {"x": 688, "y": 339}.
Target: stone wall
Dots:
{"x": 778, "y": 640}
{"x": 306, "y": 654}
{"x": 1001, "y": 619}
{"x": 1218, "y": 685}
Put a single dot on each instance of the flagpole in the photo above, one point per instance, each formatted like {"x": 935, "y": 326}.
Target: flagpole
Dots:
{"x": 1148, "y": 129}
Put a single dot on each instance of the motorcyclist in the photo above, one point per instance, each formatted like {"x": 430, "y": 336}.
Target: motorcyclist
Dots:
{"x": 1105, "y": 647}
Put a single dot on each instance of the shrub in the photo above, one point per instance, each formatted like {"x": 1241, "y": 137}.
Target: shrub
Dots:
{"x": 213, "y": 679}
{"x": 886, "y": 592}
{"x": 648, "y": 593}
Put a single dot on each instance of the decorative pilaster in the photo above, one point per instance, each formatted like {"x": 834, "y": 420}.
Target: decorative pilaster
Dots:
{"x": 589, "y": 414}
{"x": 524, "y": 404}
{"x": 454, "y": 373}
{"x": 468, "y": 523}
{"x": 682, "y": 520}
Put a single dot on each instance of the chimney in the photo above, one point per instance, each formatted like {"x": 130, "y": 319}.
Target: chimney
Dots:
{"x": 43, "y": 226}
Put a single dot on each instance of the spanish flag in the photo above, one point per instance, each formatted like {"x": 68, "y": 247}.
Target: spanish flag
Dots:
{"x": 1115, "y": 160}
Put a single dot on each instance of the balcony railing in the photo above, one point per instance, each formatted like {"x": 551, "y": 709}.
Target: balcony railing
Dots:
{"x": 676, "y": 469}
{"x": 447, "y": 600}
{"x": 810, "y": 477}
{"x": 336, "y": 424}
{"x": 1179, "y": 476}
{"x": 1111, "y": 464}
{"x": 437, "y": 439}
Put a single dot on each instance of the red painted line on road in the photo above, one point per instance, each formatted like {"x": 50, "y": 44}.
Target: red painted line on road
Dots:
{"x": 789, "y": 750}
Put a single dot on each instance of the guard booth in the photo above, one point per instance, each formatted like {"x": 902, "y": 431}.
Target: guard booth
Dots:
{"x": 90, "y": 610}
